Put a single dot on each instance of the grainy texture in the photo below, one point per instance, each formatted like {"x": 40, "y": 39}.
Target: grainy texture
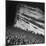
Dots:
{"x": 27, "y": 25}
{"x": 18, "y": 36}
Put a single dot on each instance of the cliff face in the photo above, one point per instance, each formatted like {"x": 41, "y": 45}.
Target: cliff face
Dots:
{"x": 29, "y": 18}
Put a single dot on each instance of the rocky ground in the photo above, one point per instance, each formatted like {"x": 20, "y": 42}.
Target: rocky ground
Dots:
{"x": 16, "y": 36}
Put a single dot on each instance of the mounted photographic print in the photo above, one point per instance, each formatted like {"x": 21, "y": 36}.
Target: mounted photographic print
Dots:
{"x": 25, "y": 23}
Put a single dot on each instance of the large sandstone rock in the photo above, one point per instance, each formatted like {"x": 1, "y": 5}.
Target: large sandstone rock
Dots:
{"x": 26, "y": 16}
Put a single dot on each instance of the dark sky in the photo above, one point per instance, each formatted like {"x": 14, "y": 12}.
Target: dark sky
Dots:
{"x": 11, "y": 9}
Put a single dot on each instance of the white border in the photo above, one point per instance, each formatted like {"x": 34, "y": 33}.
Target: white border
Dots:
{"x": 29, "y": 0}
{"x": 3, "y": 21}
